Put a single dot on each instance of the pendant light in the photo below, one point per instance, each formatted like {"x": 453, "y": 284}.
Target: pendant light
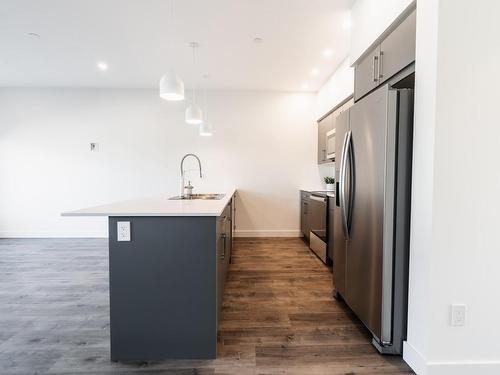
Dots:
{"x": 171, "y": 86}
{"x": 194, "y": 114}
{"x": 206, "y": 126}
{"x": 206, "y": 129}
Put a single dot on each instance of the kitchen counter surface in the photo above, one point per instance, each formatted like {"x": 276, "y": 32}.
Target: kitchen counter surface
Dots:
{"x": 158, "y": 206}
{"x": 325, "y": 193}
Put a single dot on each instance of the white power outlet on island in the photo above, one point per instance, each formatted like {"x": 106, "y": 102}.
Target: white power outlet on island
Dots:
{"x": 457, "y": 313}
{"x": 123, "y": 231}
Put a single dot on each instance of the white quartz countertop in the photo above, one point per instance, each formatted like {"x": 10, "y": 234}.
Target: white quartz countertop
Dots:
{"x": 158, "y": 206}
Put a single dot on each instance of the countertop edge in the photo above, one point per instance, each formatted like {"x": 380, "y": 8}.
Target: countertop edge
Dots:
{"x": 78, "y": 213}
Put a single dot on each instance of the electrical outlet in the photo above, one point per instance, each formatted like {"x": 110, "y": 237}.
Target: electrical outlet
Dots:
{"x": 457, "y": 317}
{"x": 123, "y": 231}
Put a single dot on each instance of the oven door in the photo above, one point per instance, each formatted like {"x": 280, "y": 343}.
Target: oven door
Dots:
{"x": 317, "y": 216}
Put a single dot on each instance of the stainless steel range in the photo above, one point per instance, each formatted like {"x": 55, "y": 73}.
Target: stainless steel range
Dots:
{"x": 318, "y": 211}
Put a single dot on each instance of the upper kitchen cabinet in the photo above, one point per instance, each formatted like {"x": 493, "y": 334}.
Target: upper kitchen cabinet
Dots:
{"x": 326, "y": 141}
{"x": 392, "y": 54}
{"x": 366, "y": 73}
{"x": 324, "y": 126}
{"x": 397, "y": 51}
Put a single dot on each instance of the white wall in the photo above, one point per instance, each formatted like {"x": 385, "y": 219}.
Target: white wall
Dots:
{"x": 264, "y": 144}
{"x": 336, "y": 89}
{"x": 370, "y": 18}
{"x": 455, "y": 252}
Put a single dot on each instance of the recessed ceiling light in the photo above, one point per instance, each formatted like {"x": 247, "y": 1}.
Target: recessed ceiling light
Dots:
{"x": 102, "y": 65}
{"x": 258, "y": 40}
{"x": 35, "y": 35}
{"x": 327, "y": 52}
{"x": 315, "y": 72}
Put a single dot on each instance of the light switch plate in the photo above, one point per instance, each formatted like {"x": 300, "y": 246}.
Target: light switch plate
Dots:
{"x": 123, "y": 231}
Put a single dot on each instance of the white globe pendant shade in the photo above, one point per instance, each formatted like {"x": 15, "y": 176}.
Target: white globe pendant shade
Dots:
{"x": 206, "y": 129}
{"x": 171, "y": 87}
{"x": 194, "y": 115}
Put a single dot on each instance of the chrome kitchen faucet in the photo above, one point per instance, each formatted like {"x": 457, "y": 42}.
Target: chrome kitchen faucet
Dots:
{"x": 187, "y": 191}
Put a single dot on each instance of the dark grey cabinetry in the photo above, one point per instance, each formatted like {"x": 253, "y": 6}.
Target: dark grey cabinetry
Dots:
{"x": 398, "y": 50}
{"x": 392, "y": 54}
{"x": 305, "y": 225}
{"x": 324, "y": 126}
{"x": 366, "y": 73}
{"x": 167, "y": 286}
{"x": 224, "y": 236}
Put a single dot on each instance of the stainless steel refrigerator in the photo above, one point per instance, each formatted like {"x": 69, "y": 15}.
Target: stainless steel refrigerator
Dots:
{"x": 371, "y": 216}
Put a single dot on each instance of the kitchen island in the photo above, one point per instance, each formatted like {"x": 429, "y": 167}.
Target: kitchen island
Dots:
{"x": 168, "y": 261}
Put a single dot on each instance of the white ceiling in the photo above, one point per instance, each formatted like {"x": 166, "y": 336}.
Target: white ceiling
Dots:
{"x": 132, "y": 37}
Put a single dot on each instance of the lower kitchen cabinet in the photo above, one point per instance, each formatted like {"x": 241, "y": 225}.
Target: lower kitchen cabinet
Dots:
{"x": 167, "y": 286}
{"x": 224, "y": 245}
{"x": 305, "y": 225}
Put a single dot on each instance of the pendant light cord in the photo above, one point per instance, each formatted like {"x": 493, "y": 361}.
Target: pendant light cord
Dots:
{"x": 171, "y": 27}
{"x": 205, "y": 101}
{"x": 194, "y": 68}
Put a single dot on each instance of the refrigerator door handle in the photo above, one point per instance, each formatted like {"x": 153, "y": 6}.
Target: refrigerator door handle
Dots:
{"x": 349, "y": 159}
{"x": 342, "y": 182}
{"x": 343, "y": 171}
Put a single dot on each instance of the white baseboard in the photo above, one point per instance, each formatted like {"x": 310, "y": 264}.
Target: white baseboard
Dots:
{"x": 83, "y": 234}
{"x": 414, "y": 359}
{"x": 421, "y": 366}
{"x": 267, "y": 233}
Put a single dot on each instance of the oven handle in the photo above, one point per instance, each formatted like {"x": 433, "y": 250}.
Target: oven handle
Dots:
{"x": 316, "y": 198}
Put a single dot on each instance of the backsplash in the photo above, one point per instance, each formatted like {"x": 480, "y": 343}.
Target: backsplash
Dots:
{"x": 324, "y": 171}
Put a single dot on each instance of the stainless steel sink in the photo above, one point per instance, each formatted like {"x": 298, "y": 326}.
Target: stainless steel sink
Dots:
{"x": 199, "y": 196}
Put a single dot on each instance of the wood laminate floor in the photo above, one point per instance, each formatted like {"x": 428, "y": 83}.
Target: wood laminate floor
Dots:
{"x": 279, "y": 316}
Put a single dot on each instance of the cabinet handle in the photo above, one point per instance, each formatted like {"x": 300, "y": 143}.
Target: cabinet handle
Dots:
{"x": 374, "y": 67}
{"x": 380, "y": 67}
{"x": 223, "y": 254}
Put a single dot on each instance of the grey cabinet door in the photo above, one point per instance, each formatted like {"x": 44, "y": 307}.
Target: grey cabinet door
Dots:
{"x": 304, "y": 218}
{"x": 229, "y": 230}
{"x": 397, "y": 51}
{"x": 366, "y": 74}
{"x": 322, "y": 130}
{"x": 223, "y": 253}
{"x": 220, "y": 266}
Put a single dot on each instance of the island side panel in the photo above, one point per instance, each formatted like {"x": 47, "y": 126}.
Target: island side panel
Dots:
{"x": 163, "y": 301}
